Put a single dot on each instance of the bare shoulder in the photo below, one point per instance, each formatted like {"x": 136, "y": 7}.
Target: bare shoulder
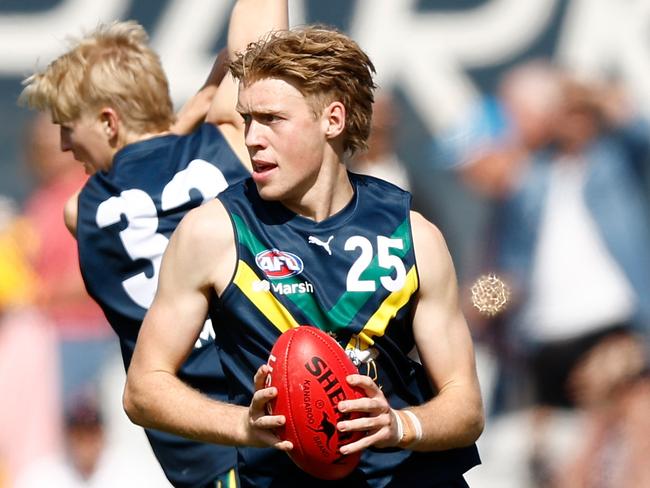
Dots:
{"x": 206, "y": 222}
{"x": 426, "y": 236}
{"x": 203, "y": 245}
{"x": 435, "y": 264}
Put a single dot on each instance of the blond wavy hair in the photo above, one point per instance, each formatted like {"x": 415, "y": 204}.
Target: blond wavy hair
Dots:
{"x": 325, "y": 65}
{"x": 111, "y": 66}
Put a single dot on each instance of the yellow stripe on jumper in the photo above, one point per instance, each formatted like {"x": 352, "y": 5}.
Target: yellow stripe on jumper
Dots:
{"x": 376, "y": 325}
{"x": 271, "y": 308}
{"x": 232, "y": 479}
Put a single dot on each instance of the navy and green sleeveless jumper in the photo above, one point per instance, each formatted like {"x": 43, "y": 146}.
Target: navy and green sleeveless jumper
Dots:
{"x": 353, "y": 275}
{"x": 125, "y": 218}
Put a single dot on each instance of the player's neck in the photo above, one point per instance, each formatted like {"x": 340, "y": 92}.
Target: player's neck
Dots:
{"x": 329, "y": 195}
{"x": 133, "y": 138}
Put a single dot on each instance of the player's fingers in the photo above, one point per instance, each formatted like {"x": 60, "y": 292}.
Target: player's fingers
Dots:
{"x": 365, "y": 424}
{"x": 283, "y": 445}
{"x": 260, "y": 399}
{"x": 373, "y": 406}
{"x": 365, "y": 442}
{"x": 269, "y": 422}
{"x": 364, "y": 382}
{"x": 268, "y": 439}
{"x": 260, "y": 376}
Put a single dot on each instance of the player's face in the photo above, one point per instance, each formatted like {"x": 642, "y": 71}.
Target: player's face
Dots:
{"x": 89, "y": 143}
{"x": 285, "y": 139}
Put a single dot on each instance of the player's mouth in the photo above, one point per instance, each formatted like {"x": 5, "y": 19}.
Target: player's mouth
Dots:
{"x": 262, "y": 169}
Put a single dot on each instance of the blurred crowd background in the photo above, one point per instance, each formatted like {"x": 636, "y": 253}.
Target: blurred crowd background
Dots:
{"x": 521, "y": 130}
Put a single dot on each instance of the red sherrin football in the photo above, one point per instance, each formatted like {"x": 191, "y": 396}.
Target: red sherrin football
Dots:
{"x": 309, "y": 370}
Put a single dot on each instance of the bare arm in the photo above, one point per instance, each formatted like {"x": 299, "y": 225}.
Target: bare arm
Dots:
{"x": 250, "y": 20}
{"x": 200, "y": 257}
{"x": 195, "y": 110}
{"x": 454, "y": 417}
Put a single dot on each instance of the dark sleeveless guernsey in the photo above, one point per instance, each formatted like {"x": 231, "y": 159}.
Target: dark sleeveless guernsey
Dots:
{"x": 125, "y": 219}
{"x": 353, "y": 275}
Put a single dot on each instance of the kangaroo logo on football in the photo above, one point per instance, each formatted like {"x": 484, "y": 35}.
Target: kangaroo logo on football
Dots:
{"x": 324, "y": 244}
{"x": 326, "y": 427}
{"x": 278, "y": 264}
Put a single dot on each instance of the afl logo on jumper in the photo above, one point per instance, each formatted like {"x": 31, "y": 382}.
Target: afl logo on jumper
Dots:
{"x": 278, "y": 264}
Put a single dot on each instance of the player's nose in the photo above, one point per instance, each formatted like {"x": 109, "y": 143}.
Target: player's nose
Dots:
{"x": 254, "y": 135}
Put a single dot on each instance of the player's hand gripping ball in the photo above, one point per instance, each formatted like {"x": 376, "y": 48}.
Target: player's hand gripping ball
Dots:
{"x": 309, "y": 370}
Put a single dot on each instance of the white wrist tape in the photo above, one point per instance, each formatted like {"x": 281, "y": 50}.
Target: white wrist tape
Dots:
{"x": 400, "y": 425}
{"x": 417, "y": 425}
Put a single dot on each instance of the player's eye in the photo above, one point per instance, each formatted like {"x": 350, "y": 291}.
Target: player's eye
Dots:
{"x": 268, "y": 118}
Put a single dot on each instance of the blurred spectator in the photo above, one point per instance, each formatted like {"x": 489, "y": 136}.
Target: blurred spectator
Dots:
{"x": 491, "y": 152}
{"x": 85, "y": 337}
{"x": 560, "y": 162}
{"x": 29, "y": 381}
{"x": 572, "y": 237}
{"x": 380, "y": 160}
{"x": 88, "y": 460}
{"x": 488, "y": 150}
{"x": 512, "y": 126}
{"x": 611, "y": 382}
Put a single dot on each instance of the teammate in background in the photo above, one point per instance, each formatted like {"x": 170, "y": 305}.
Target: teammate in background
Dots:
{"x": 110, "y": 96}
{"x": 384, "y": 284}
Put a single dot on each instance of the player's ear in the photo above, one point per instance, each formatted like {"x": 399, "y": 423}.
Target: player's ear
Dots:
{"x": 334, "y": 119}
{"x": 109, "y": 120}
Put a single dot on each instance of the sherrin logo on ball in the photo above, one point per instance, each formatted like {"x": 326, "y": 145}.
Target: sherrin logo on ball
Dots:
{"x": 309, "y": 368}
{"x": 278, "y": 264}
